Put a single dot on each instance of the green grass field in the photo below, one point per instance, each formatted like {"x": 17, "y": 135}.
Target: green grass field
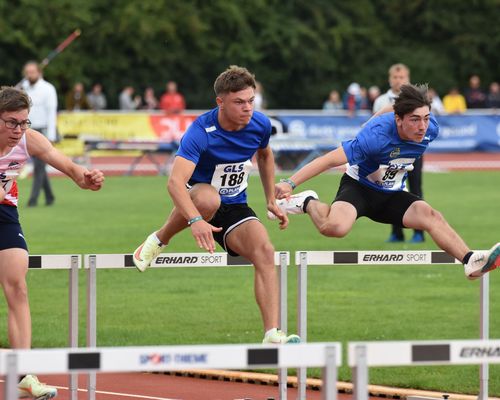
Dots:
{"x": 216, "y": 305}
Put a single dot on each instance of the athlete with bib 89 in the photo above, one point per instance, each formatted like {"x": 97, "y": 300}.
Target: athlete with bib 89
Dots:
{"x": 379, "y": 159}
{"x": 208, "y": 187}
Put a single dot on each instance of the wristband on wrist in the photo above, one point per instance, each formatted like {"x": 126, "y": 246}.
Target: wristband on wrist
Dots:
{"x": 195, "y": 219}
{"x": 290, "y": 182}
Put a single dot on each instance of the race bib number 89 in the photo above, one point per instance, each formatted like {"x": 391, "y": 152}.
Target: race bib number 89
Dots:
{"x": 231, "y": 179}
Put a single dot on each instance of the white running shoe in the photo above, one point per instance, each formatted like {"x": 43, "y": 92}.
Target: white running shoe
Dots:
{"x": 147, "y": 252}
{"x": 31, "y": 387}
{"x": 481, "y": 262}
{"x": 293, "y": 204}
{"x": 279, "y": 337}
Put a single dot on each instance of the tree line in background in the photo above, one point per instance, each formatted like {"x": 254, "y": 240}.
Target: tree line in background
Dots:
{"x": 298, "y": 49}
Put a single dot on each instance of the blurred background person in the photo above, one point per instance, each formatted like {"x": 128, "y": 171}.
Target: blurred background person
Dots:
{"x": 96, "y": 98}
{"x": 43, "y": 117}
{"x": 454, "y": 102}
{"x": 352, "y": 99}
{"x": 76, "y": 99}
{"x": 373, "y": 93}
{"x": 475, "y": 97}
{"x": 493, "y": 98}
{"x": 333, "y": 102}
{"x": 399, "y": 75}
{"x": 259, "y": 102}
{"x": 149, "y": 100}
{"x": 437, "y": 106}
{"x": 127, "y": 100}
{"x": 172, "y": 102}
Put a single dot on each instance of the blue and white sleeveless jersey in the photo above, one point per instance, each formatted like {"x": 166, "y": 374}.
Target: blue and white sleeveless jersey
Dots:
{"x": 223, "y": 158}
{"x": 379, "y": 158}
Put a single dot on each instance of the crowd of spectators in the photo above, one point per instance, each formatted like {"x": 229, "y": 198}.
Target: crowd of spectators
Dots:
{"x": 356, "y": 97}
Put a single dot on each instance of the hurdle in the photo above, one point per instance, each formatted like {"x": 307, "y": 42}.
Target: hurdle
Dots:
{"x": 71, "y": 263}
{"x": 355, "y": 258}
{"x": 92, "y": 262}
{"x": 172, "y": 358}
{"x": 407, "y": 353}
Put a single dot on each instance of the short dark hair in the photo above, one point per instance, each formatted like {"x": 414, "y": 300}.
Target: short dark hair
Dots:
{"x": 410, "y": 98}
{"x": 13, "y": 99}
{"x": 234, "y": 79}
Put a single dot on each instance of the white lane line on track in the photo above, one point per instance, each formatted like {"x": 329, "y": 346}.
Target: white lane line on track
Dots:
{"x": 137, "y": 396}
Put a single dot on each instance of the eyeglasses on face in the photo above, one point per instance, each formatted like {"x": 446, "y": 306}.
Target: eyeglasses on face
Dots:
{"x": 13, "y": 124}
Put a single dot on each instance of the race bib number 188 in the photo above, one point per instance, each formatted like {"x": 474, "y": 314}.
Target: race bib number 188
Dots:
{"x": 231, "y": 179}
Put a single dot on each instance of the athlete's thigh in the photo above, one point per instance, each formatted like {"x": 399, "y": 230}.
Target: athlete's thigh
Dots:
{"x": 247, "y": 237}
{"x": 13, "y": 265}
{"x": 343, "y": 214}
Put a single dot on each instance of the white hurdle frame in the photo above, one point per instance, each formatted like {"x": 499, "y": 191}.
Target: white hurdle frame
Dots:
{"x": 415, "y": 353}
{"x": 72, "y": 263}
{"x": 368, "y": 257}
{"x": 92, "y": 262}
{"x": 172, "y": 358}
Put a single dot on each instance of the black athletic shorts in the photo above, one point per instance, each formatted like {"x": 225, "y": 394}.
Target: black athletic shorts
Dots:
{"x": 11, "y": 234}
{"x": 387, "y": 208}
{"x": 228, "y": 217}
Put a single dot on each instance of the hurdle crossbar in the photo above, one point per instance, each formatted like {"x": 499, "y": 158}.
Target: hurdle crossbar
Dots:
{"x": 362, "y": 355}
{"x": 172, "y": 358}
{"x": 72, "y": 263}
{"x": 92, "y": 262}
{"x": 373, "y": 257}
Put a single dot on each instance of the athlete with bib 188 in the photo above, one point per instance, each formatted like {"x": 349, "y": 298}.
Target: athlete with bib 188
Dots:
{"x": 208, "y": 187}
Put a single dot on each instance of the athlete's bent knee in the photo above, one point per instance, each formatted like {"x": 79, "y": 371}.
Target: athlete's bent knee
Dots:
{"x": 16, "y": 292}
{"x": 263, "y": 254}
{"x": 334, "y": 230}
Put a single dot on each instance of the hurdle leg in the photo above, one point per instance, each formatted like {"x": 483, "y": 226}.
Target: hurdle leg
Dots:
{"x": 73, "y": 320}
{"x": 329, "y": 389}
{"x": 484, "y": 334}
{"x": 302, "y": 320}
{"x": 11, "y": 378}
{"x": 360, "y": 374}
{"x": 91, "y": 321}
{"x": 283, "y": 372}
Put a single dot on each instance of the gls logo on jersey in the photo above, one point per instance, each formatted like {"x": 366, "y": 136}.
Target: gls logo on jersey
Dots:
{"x": 234, "y": 168}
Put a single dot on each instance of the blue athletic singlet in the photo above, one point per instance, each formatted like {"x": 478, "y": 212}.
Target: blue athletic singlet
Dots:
{"x": 379, "y": 158}
{"x": 223, "y": 158}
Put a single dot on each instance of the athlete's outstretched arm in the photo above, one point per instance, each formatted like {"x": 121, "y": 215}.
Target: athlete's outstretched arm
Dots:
{"x": 182, "y": 169}
{"x": 40, "y": 147}
{"x": 265, "y": 162}
{"x": 330, "y": 160}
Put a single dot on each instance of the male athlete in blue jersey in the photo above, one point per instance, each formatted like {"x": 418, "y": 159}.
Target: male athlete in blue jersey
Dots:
{"x": 208, "y": 187}
{"x": 378, "y": 161}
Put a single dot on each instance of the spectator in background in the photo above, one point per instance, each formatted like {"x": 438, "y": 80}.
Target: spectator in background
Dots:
{"x": 352, "y": 98}
{"x": 43, "y": 117}
{"x": 493, "y": 98}
{"x": 399, "y": 75}
{"x": 172, "y": 102}
{"x": 127, "y": 102}
{"x": 259, "y": 103}
{"x": 76, "y": 99}
{"x": 373, "y": 93}
{"x": 149, "y": 100}
{"x": 475, "y": 97}
{"x": 454, "y": 102}
{"x": 437, "y": 106}
{"x": 333, "y": 102}
{"x": 96, "y": 99}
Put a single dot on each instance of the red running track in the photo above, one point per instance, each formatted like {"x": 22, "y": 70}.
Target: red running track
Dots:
{"x": 147, "y": 386}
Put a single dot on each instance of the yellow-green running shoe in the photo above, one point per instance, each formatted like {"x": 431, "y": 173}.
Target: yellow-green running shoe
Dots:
{"x": 279, "y": 337}
{"x": 147, "y": 252}
{"x": 31, "y": 387}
